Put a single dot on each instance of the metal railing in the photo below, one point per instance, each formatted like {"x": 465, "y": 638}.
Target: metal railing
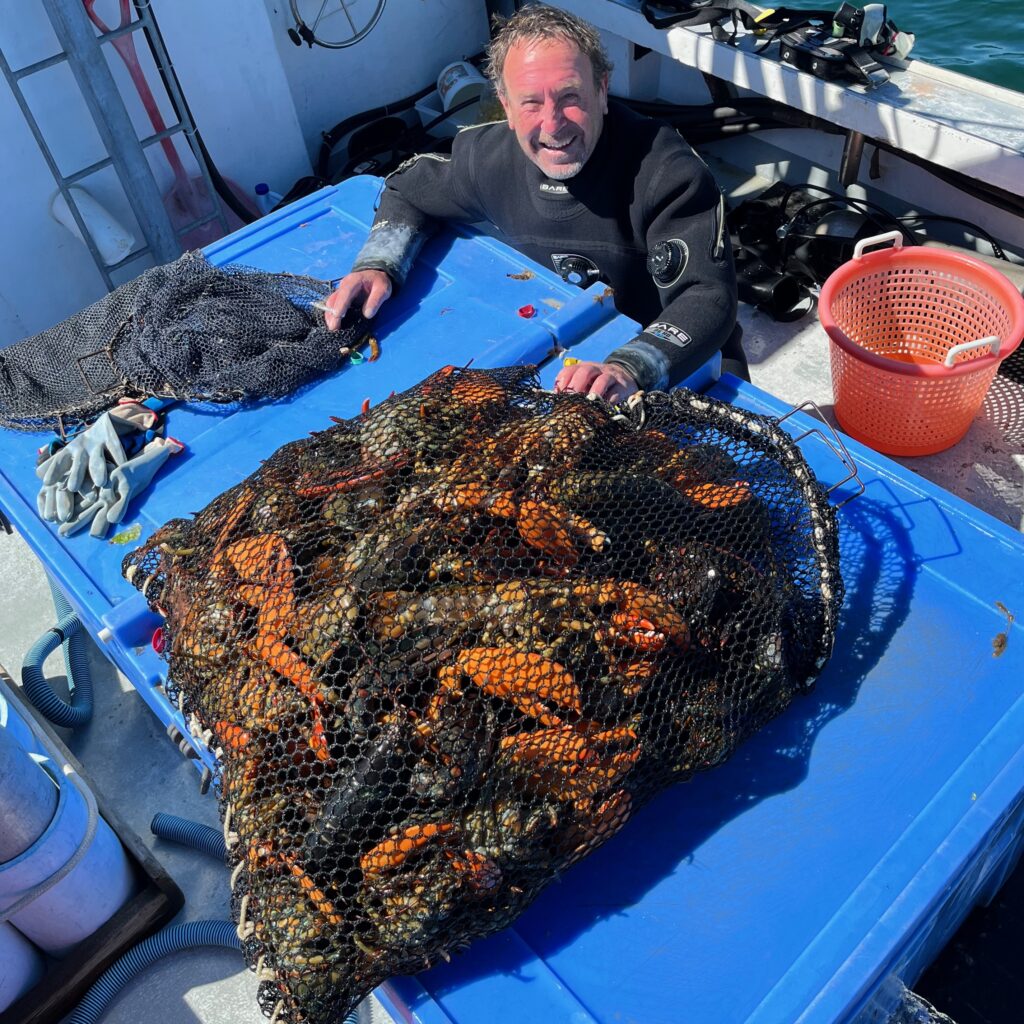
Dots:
{"x": 82, "y": 51}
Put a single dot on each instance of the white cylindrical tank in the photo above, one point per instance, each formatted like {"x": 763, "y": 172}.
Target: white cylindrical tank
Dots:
{"x": 28, "y": 798}
{"x": 15, "y": 724}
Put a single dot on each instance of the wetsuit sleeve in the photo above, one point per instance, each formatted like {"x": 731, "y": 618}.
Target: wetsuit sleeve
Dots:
{"x": 425, "y": 190}
{"x": 696, "y": 281}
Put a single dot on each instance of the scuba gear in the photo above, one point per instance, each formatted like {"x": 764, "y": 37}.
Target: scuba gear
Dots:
{"x": 690, "y": 13}
{"x": 816, "y": 51}
{"x": 781, "y": 296}
{"x": 847, "y": 47}
{"x": 666, "y": 261}
{"x": 790, "y": 238}
{"x": 575, "y": 269}
{"x": 784, "y": 248}
{"x": 843, "y": 44}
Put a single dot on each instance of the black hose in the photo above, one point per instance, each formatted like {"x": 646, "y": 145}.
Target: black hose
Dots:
{"x": 149, "y": 951}
{"x": 865, "y": 206}
{"x": 224, "y": 190}
{"x": 68, "y": 633}
{"x": 724, "y": 123}
{"x": 407, "y": 141}
{"x": 924, "y": 218}
{"x": 873, "y": 211}
{"x": 1001, "y": 199}
{"x": 342, "y": 128}
{"x": 333, "y": 136}
{"x": 189, "y": 833}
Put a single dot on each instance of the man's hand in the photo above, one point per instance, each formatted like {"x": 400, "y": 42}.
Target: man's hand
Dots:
{"x": 609, "y": 381}
{"x": 372, "y": 286}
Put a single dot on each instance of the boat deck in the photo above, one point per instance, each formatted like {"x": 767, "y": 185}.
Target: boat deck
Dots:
{"x": 985, "y": 469}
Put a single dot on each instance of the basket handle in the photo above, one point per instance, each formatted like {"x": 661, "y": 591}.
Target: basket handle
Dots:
{"x": 968, "y": 346}
{"x": 896, "y": 237}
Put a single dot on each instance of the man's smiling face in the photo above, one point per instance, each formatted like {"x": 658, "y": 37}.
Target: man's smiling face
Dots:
{"x": 553, "y": 105}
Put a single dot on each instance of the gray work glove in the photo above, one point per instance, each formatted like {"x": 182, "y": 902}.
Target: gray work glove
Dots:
{"x": 82, "y": 467}
{"x": 78, "y": 468}
{"x": 125, "y": 481}
{"x": 83, "y": 510}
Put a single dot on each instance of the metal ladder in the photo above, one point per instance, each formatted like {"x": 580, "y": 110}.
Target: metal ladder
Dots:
{"x": 82, "y": 52}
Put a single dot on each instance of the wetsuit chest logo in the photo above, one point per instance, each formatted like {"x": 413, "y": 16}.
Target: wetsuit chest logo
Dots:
{"x": 573, "y": 269}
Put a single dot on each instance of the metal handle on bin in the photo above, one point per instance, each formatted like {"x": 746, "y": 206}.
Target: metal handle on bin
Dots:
{"x": 835, "y": 444}
{"x": 967, "y": 346}
{"x": 896, "y": 237}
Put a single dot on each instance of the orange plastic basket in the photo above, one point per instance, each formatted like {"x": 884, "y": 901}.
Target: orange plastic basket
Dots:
{"x": 916, "y": 336}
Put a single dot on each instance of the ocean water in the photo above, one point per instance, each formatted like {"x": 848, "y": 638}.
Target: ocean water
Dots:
{"x": 980, "y": 38}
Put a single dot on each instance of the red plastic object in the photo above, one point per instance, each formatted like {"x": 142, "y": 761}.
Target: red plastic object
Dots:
{"x": 917, "y": 335}
{"x": 159, "y": 640}
{"x": 527, "y": 311}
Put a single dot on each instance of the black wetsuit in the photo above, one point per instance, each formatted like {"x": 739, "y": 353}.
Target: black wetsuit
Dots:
{"x": 642, "y": 192}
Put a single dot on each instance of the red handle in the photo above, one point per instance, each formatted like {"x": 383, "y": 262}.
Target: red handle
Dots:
{"x": 125, "y": 47}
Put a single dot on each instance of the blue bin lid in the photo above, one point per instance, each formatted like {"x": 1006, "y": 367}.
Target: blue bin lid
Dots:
{"x": 839, "y": 845}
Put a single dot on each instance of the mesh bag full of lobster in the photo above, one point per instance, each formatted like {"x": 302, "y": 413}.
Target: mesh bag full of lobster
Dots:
{"x": 444, "y": 649}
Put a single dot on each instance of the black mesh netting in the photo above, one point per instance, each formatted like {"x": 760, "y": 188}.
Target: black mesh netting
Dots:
{"x": 185, "y": 330}
{"x": 444, "y": 649}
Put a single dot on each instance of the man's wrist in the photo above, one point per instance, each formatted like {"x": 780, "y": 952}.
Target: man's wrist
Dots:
{"x": 645, "y": 364}
{"x": 373, "y": 264}
{"x": 392, "y": 248}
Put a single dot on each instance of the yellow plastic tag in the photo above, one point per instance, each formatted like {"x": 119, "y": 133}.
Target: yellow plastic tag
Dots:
{"x": 570, "y": 361}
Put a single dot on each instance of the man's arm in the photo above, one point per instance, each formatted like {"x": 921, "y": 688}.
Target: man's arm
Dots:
{"x": 425, "y": 190}
{"x": 690, "y": 260}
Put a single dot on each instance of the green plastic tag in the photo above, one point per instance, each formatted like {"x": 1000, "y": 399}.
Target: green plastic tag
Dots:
{"x": 127, "y": 536}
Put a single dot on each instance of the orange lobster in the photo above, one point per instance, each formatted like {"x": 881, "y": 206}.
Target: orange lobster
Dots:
{"x": 641, "y": 619}
{"x": 266, "y": 572}
{"x": 525, "y": 679}
{"x": 545, "y": 526}
{"x": 477, "y": 869}
{"x": 262, "y": 857}
{"x": 574, "y": 762}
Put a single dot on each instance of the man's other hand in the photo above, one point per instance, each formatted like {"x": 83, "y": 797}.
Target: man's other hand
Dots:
{"x": 609, "y": 381}
{"x": 373, "y": 287}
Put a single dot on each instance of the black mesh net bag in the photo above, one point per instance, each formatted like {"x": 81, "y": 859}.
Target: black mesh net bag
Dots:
{"x": 444, "y": 649}
{"x": 185, "y": 330}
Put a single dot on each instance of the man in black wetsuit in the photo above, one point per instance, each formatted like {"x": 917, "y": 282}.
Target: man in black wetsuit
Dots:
{"x": 585, "y": 186}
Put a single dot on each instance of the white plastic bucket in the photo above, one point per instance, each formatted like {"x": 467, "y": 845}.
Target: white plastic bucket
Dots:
{"x": 21, "y": 965}
{"x": 83, "y": 899}
{"x": 459, "y": 82}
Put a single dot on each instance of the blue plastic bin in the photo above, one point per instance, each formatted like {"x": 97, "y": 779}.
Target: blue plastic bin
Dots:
{"x": 465, "y": 302}
{"x": 838, "y": 849}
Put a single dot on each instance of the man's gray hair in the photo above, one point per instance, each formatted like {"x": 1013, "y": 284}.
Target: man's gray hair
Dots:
{"x": 539, "y": 22}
